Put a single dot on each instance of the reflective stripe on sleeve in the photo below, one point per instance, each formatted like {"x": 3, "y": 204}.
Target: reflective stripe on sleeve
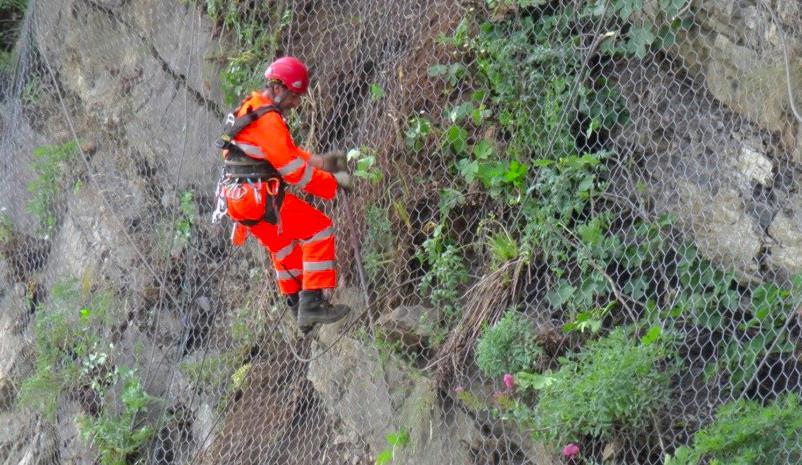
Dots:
{"x": 291, "y": 167}
{"x": 252, "y": 150}
{"x": 307, "y": 176}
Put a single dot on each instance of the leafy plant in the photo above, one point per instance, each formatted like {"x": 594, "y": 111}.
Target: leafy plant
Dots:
{"x": 255, "y": 29}
{"x": 614, "y": 385}
{"x": 376, "y": 92}
{"x": 51, "y": 163}
{"x": 365, "y": 160}
{"x": 377, "y": 251}
{"x": 188, "y": 212}
{"x": 417, "y": 133}
{"x": 117, "y": 434}
{"x": 395, "y": 441}
{"x": 509, "y": 346}
{"x": 763, "y": 335}
{"x": 6, "y": 228}
{"x": 70, "y": 348}
{"x": 446, "y": 272}
{"x": 590, "y": 320}
{"x": 212, "y": 373}
{"x": 12, "y": 12}
{"x": 747, "y": 433}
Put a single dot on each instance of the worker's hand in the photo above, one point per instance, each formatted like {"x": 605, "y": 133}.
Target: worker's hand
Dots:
{"x": 344, "y": 181}
{"x": 333, "y": 161}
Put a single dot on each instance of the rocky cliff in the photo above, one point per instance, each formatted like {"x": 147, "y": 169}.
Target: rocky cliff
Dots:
{"x": 712, "y": 139}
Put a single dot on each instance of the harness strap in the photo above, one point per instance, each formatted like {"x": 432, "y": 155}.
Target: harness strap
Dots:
{"x": 241, "y": 168}
{"x": 234, "y": 125}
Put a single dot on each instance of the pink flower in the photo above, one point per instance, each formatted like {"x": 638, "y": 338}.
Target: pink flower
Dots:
{"x": 571, "y": 450}
{"x": 509, "y": 381}
{"x": 459, "y": 389}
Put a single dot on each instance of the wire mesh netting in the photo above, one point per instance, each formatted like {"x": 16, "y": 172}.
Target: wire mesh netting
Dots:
{"x": 575, "y": 235}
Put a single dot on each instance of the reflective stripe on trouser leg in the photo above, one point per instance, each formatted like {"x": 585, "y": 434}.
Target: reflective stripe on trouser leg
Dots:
{"x": 288, "y": 266}
{"x": 318, "y": 263}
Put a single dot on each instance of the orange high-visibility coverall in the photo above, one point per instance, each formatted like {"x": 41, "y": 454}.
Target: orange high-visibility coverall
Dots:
{"x": 301, "y": 244}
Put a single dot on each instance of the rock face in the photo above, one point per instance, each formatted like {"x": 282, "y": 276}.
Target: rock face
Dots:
{"x": 177, "y": 116}
{"x": 15, "y": 363}
{"x": 374, "y": 399}
{"x": 409, "y": 325}
{"x": 25, "y": 441}
{"x": 714, "y": 127}
{"x": 786, "y": 238}
{"x": 737, "y": 47}
{"x": 711, "y": 131}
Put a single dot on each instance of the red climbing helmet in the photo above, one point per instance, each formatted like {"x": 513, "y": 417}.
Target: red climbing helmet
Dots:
{"x": 291, "y": 72}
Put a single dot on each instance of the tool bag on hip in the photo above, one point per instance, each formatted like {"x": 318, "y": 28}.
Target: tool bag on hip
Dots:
{"x": 250, "y": 189}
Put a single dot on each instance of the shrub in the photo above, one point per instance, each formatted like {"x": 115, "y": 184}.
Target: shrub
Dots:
{"x": 51, "y": 164}
{"x": 70, "y": 349}
{"x": 508, "y": 346}
{"x": 613, "y": 385}
{"x": 116, "y": 433}
{"x": 447, "y": 272}
{"x": 746, "y": 433}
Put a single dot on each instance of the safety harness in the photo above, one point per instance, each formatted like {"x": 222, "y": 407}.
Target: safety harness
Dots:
{"x": 239, "y": 168}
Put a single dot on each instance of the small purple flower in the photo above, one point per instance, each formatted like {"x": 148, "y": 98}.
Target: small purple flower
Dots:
{"x": 459, "y": 389}
{"x": 509, "y": 381}
{"x": 571, "y": 450}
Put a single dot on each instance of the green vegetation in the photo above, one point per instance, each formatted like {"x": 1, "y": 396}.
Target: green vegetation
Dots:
{"x": 615, "y": 385}
{"x": 119, "y": 434}
{"x": 11, "y": 15}
{"x": 255, "y": 29}
{"x": 746, "y": 433}
{"x": 508, "y": 346}
{"x": 51, "y": 163}
{"x": 377, "y": 248}
{"x": 174, "y": 230}
{"x": 365, "y": 161}
{"x": 447, "y": 272}
{"x": 71, "y": 350}
{"x": 395, "y": 441}
{"x": 74, "y": 354}
{"x": 6, "y": 228}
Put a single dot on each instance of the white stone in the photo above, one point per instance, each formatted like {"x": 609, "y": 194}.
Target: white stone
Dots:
{"x": 756, "y": 166}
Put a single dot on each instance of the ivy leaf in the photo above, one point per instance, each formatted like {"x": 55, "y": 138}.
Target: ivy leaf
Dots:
{"x": 468, "y": 169}
{"x": 640, "y": 38}
{"x": 516, "y": 173}
{"x": 376, "y": 92}
{"x": 437, "y": 70}
{"x": 457, "y": 139}
{"x": 384, "y": 457}
{"x": 483, "y": 149}
{"x": 399, "y": 439}
{"x": 459, "y": 112}
{"x": 651, "y": 336}
{"x": 557, "y": 297}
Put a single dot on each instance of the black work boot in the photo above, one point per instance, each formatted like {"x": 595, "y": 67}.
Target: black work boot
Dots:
{"x": 292, "y": 304}
{"x": 313, "y": 309}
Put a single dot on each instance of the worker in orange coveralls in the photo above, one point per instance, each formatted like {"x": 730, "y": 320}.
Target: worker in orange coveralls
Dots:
{"x": 260, "y": 161}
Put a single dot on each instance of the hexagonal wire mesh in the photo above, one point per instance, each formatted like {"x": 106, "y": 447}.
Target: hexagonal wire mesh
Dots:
{"x": 574, "y": 237}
